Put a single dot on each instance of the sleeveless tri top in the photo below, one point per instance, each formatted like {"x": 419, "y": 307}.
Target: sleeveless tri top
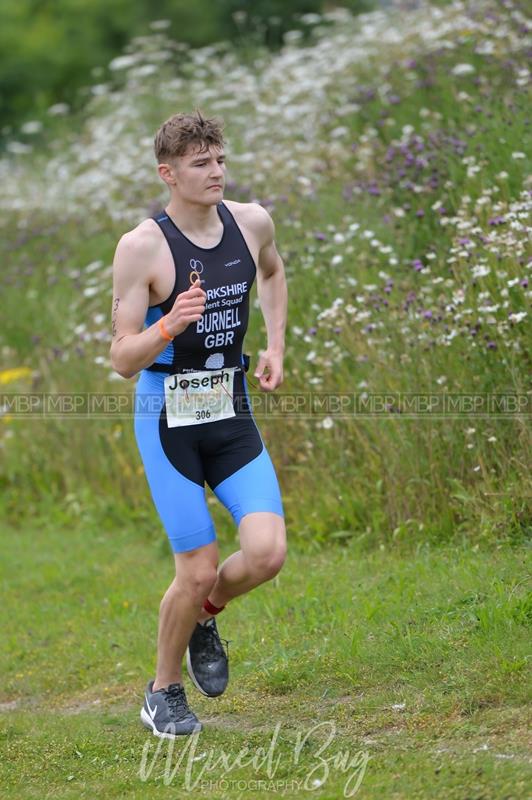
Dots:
{"x": 227, "y": 272}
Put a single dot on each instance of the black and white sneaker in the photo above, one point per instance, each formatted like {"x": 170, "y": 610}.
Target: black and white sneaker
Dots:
{"x": 207, "y": 660}
{"x": 166, "y": 712}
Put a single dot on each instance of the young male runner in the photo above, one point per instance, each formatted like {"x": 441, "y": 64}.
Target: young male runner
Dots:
{"x": 185, "y": 276}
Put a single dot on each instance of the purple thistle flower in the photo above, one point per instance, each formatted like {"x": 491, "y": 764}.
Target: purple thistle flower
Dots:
{"x": 427, "y": 314}
{"x": 312, "y": 331}
{"x": 417, "y": 264}
{"x": 411, "y": 296}
{"x": 320, "y": 236}
{"x": 524, "y": 283}
{"x": 420, "y": 213}
{"x": 492, "y": 345}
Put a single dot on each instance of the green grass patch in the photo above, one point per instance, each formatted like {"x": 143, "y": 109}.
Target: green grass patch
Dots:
{"x": 409, "y": 666}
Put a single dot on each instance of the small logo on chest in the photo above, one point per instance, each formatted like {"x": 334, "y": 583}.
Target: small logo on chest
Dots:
{"x": 232, "y": 263}
{"x": 196, "y": 269}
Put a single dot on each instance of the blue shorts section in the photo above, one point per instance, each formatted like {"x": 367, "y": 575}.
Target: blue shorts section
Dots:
{"x": 181, "y": 502}
{"x": 253, "y": 487}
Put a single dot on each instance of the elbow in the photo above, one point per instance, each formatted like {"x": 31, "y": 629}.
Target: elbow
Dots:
{"x": 122, "y": 371}
{"x": 118, "y": 366}
{"x": 127, "y": 375}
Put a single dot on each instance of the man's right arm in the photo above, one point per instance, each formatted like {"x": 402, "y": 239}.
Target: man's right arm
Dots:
{"x": 132, "y": 348}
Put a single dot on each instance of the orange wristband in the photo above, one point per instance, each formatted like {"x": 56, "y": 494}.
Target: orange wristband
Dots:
{"x": 164, "y": 332}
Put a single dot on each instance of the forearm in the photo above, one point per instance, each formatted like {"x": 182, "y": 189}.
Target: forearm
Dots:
{"x": 273, "y": 298}
{"x": 135, "y": 351}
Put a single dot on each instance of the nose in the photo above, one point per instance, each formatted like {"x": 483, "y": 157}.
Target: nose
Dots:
{"x": 217, "y": 170}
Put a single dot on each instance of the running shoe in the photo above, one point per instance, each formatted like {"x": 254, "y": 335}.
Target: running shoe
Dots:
{"x": 166, "y": 712}
{"x": 207, "y": 660}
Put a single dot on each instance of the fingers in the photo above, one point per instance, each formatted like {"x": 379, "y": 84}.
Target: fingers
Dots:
{"x": 269, "y": 381}
{"x": 259, "y": 369}
{"x": 193, "y": 298}
{"x": 269, "y": 375}
{"x": 190, "y": 302}
{"x": 195, "y": 291}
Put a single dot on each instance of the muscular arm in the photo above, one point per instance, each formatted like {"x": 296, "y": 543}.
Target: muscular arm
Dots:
{"x": 132, "y": 348}
{"x": 273, "y": 298}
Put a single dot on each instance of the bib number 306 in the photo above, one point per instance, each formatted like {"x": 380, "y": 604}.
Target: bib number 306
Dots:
{"x": 194, "y": 398}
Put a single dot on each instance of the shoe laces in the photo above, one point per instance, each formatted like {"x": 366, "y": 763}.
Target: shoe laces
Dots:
{"x": 213, "y": 643}
{"x": 176, "y": 698}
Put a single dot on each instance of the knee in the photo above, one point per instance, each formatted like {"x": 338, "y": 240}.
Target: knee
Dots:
{"x": 266, "y": 566}
{"x": 198, "y": 580}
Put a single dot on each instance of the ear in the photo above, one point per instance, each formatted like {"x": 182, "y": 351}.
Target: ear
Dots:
{"x": 167, "y": 173}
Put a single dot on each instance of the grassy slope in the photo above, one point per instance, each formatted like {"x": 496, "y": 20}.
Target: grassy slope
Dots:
{"x": 417, "y": 659}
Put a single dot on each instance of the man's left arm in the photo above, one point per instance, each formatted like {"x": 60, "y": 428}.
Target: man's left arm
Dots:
{"x": 273, "y": 298}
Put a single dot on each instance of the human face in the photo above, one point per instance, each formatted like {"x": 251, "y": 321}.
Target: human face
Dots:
{"x": 200, "y": 175}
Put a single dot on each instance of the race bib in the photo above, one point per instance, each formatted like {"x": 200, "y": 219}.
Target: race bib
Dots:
{"x": 194, "y": 398}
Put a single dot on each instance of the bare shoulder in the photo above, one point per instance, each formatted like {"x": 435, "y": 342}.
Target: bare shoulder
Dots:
{"x": 141, "y": 243}
{"x": 254, "y": 218}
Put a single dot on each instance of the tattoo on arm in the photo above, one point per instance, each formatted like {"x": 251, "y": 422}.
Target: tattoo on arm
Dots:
{"x": 113, "y": 321}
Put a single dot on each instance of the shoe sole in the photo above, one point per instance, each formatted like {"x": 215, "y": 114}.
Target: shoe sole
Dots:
{"x": 194, "y": 681}
{"x": 149, "y": 723}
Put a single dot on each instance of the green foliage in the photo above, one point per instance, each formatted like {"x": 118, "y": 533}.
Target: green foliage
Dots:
{"x": 388, "y": 295}
{"x": 49, "y": 49}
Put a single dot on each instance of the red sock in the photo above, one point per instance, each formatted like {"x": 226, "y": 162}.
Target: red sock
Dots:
{"x": 208, "y": 606}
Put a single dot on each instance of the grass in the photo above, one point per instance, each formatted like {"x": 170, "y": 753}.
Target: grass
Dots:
{"x": 430, "y": 302}
{"x": 414, "y": 660}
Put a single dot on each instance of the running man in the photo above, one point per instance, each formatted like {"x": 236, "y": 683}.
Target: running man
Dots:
{"x": 181, "y": 284}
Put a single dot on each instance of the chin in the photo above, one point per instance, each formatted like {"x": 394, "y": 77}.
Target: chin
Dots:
{"x": 205, "y": 201}
{"x": 214, "y": 198}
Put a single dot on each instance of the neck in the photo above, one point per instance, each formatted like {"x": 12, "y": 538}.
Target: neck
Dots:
{"x": 193, "y": 217}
